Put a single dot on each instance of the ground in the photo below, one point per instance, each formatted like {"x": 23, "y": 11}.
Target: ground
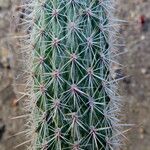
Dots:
{"x": 136, "y": 61}
{"x": 135, "y": 88}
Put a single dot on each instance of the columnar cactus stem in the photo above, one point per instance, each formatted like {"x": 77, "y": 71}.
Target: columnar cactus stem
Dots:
{"x": 71, "y": 47}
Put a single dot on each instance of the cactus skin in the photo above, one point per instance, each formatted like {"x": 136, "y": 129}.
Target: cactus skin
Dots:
{"x": 73, "y": 101}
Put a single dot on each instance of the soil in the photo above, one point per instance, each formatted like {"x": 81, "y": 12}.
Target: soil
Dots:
{"x": 135, "y": 87}
{"x": 136, "y": 61}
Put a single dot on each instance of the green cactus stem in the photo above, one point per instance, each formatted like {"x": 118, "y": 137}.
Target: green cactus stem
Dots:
{"x": 73, "y": 102}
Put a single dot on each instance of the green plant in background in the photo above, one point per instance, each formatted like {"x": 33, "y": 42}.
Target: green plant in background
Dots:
{"x": 73, "y": 101}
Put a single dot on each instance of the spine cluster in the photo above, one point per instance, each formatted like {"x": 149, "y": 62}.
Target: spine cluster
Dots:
{"x": 70, "y": 50}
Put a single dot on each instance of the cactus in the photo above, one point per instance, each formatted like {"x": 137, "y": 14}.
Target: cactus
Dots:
{"x": 70, "y": 50}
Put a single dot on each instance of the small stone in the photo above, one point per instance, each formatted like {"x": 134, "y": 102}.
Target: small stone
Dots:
{"x": 133, "y": 14}
{"x": 142, "y": 37}
{"x": 15, "y": 102}
{"x": 146, "y": 71}
{"x": 143, "y": 71}
{"x": 5, "y": 3}
{"x": 133, "y": 85}
{"x": 141, "y": 136}
{"x": 5, "y": 57}
{"x": 142, "y": 132}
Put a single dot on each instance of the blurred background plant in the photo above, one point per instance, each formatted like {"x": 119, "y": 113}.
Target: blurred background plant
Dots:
{"x": 135, "y": 88}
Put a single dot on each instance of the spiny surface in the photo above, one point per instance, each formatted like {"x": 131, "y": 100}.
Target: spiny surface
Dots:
{"x": 74, "y": 105}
